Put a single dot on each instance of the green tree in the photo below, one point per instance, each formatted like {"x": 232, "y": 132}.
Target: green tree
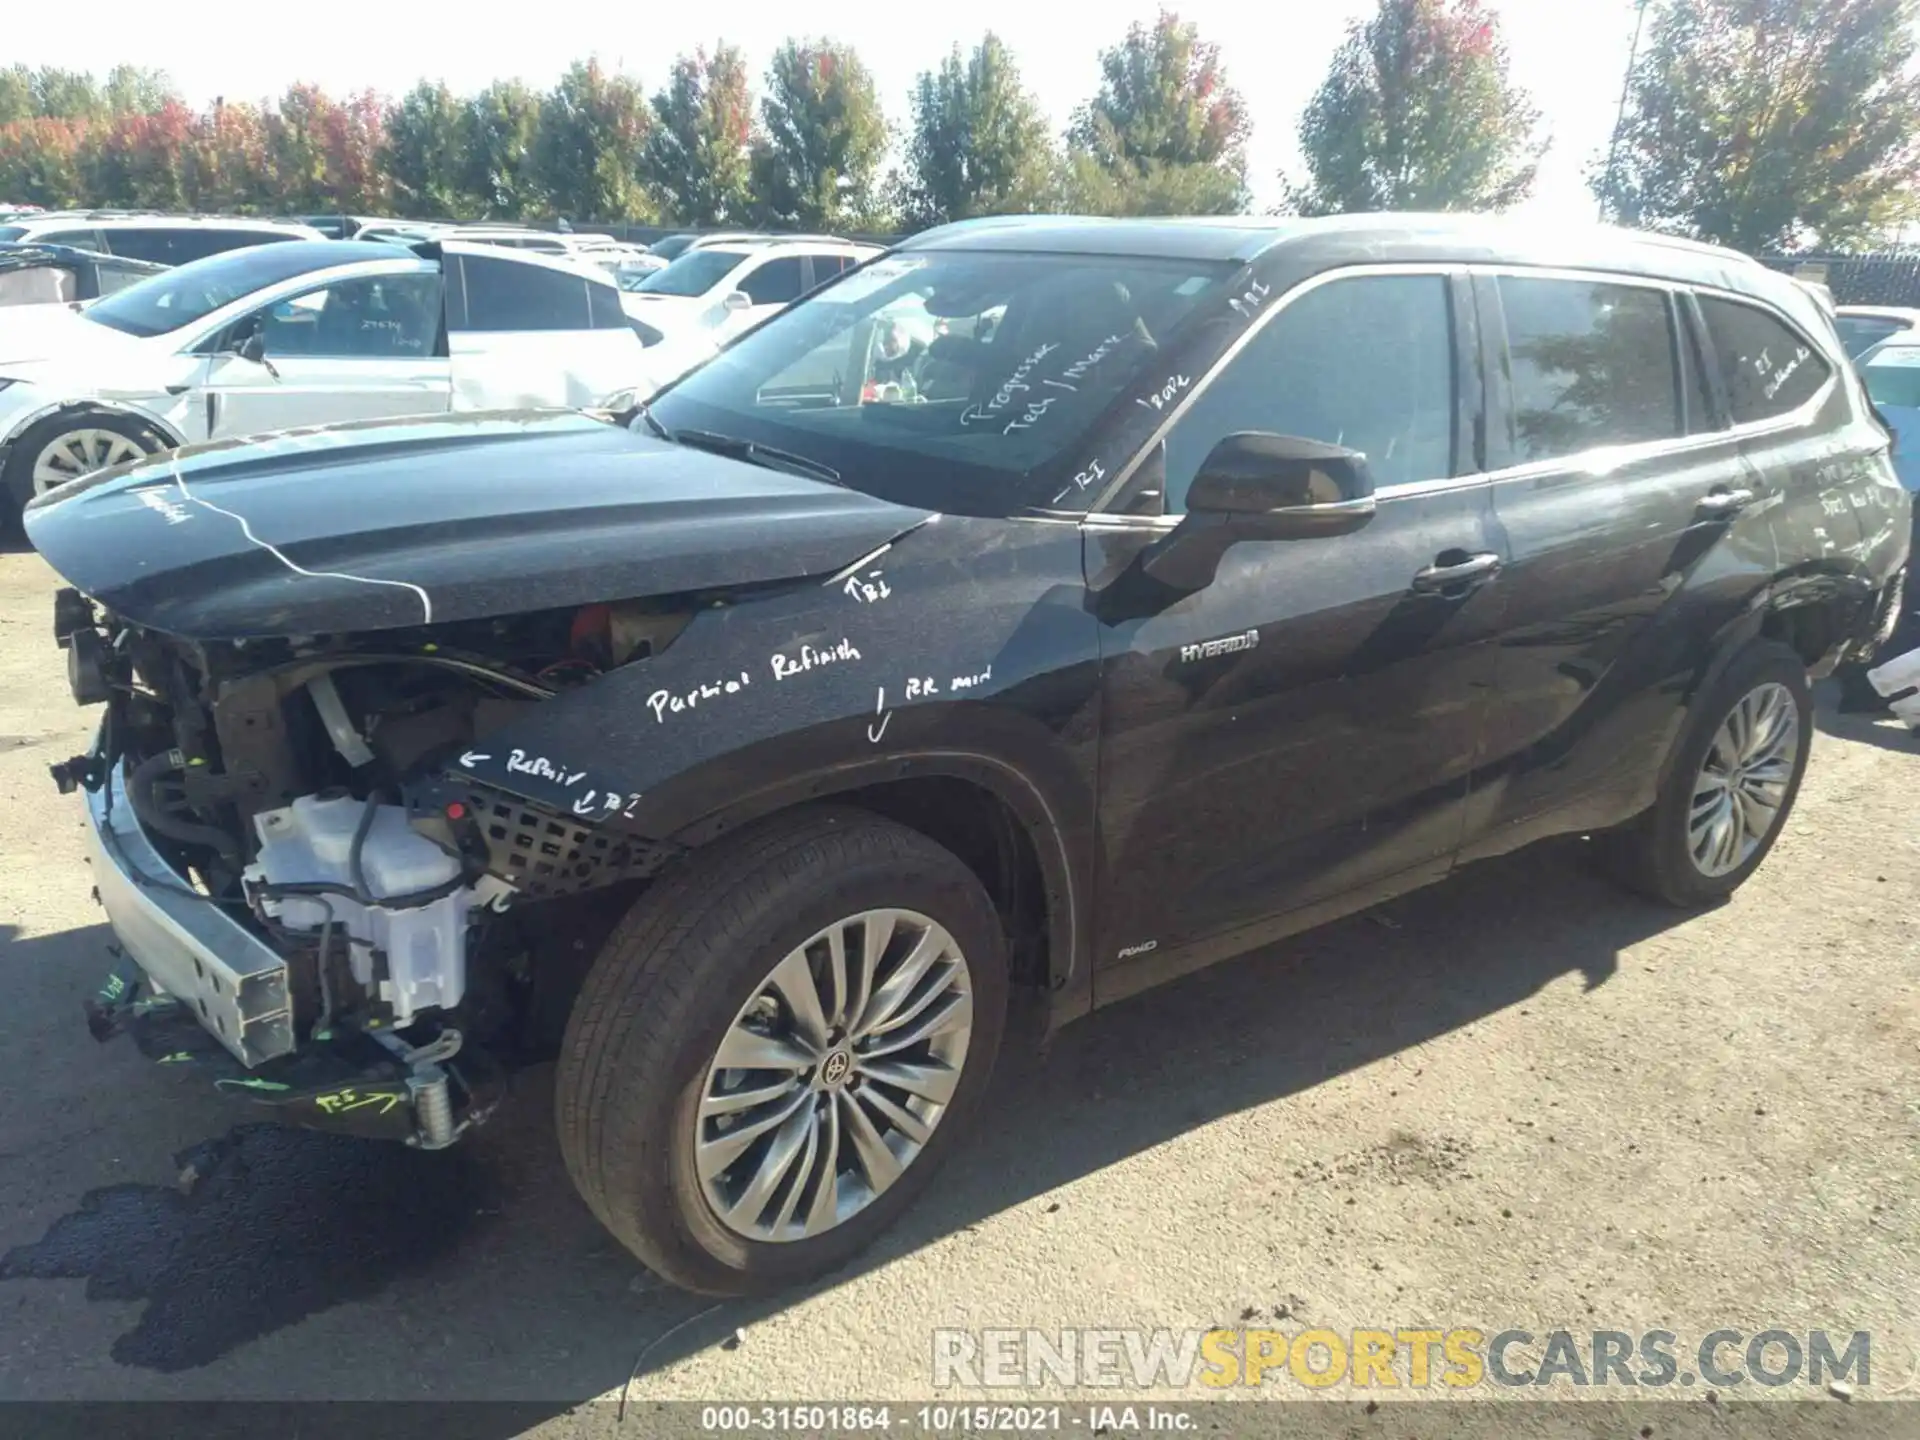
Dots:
{"x": 698, "y": 156}
{"x": 978, "y": 145}
{"x": 66, "y": 95}
{"x": 428, "y": 151}
{"x": 16, "y": 95}
{"x": 1765, "y": 124}
{"x": 817, "y": 165}
{"x": 131, "y": 90}
{"x": 1417, "y": 113}
{"x": 1163, "y": 130}
{"x": 503, "y": 170}
{"x": 593, "y": 127}
{"x": 297, "y": 149}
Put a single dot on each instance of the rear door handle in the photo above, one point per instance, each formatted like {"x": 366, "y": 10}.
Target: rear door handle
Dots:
{"x": 1718, "y": 504}
{"x": 1459, "y": 576}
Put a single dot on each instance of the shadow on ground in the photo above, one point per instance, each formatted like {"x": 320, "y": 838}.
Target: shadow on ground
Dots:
{"x": 281, "y": 1226}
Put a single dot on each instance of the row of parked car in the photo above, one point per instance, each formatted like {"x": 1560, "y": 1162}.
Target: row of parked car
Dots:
{"x": 123, "y": 334}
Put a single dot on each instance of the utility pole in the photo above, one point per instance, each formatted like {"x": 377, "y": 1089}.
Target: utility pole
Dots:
{"x": 1609, "y": 191}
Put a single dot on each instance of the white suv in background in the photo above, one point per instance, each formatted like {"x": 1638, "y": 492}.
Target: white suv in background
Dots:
{"x": 281, "y": 336}
{"x": 712, "y": 293}
{"x": 164, "y": 239}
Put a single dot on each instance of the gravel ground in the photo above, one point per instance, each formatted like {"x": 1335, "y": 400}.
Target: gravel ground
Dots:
{"x": 1517, "y": 1101}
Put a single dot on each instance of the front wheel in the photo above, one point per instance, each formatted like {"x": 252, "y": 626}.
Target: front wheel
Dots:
{"x": 778, "y": 1046}
{"x": 66, "y": 446}
{"x": 1735, "y": 776}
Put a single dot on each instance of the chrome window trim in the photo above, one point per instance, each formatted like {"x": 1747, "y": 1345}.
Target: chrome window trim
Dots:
{"x": 1594, "y": 462}
{"x": 1803, "y": 414}
{"x": 1439, "y": 269}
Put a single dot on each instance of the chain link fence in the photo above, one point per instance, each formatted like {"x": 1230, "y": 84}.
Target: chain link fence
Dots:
{"x": 1889, "y": 278}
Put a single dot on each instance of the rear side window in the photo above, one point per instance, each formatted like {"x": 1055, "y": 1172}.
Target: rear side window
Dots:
{"x": 117, "y": 277}
{"x": 178, "y": 244}
{"x": 778, "y": 282}
{"x": 509, "y": 295}
{"x": 1767, "y": 369}
{"x": 1366, "y": 363}
{"x": 1592, "y": 366}
{"x": 79, "y": 239}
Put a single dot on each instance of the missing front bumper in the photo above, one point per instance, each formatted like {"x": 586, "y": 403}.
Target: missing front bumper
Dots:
{"x": 187, "y": 946}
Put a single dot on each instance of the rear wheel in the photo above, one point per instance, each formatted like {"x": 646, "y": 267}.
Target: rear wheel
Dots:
{"x": 778, "y": 1046}
{"x": 1735, "y": 777}
{"x": 73, "y": 443}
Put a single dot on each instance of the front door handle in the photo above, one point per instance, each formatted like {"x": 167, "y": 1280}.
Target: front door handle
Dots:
{"x": 1723, "y": 503}
{"x": 1456, "y": 577}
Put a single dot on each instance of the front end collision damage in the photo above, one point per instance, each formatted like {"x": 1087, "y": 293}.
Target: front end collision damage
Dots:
{"x": 326, "y": 848}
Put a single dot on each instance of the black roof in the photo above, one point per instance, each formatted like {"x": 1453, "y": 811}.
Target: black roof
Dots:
{"x": 1325, "y": 242}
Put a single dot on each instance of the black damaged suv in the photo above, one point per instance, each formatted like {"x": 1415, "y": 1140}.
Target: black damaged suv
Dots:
{"x": 1048, "y": 607}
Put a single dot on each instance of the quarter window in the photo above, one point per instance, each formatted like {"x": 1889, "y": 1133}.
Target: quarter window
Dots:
{"x": 1767, "y": 369}
{"x": 1592, "y": 366}
{"x": 1365, "y": 362}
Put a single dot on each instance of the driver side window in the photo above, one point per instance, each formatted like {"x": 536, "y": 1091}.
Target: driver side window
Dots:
{"x": 1364, "y": 362}
{"x": 778, "y": 282}
{"x": 381, "y": 317}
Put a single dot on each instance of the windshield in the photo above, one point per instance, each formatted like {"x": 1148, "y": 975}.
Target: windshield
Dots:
{"x": 694, "y": 273}
{"x": 959, "y": 381}
{"x": 670, "y": 248}
{"x": 164, "y": 302}
{"x": 12, "y": 232}
{"x": 1894, "y": 378}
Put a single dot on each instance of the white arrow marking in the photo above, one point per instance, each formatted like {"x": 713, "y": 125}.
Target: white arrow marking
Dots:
{"x": 473, "y": 758}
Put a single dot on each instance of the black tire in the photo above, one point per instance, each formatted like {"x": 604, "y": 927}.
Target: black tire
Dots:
{"x": 1651, "y": 854}
{"x": 670, "y": 981}
{"x": 18, "y": 487}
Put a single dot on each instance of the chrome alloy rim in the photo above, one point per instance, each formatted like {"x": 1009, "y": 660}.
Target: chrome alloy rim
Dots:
{"x": 1743, "y": 781}
{"x": 833, "y": 1077}
{"x": 81, "y": 452}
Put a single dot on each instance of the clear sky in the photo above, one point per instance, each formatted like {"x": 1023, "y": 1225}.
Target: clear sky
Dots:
{"x": 1568, "y": 53}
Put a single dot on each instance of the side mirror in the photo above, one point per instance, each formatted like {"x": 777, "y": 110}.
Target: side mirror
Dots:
{"x": 737, "y": 300}
{"x": 1280, "y": 487}
{"x": 251, "y": 344}
{"x": 1258, "y": 486}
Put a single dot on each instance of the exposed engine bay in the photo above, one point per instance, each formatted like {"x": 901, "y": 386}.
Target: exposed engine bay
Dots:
{"x": 310, "y": 787}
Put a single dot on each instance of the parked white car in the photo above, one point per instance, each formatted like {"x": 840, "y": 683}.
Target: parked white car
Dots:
{"x": 301, "y": 334}
{"x": 713, "y": 293}
{"x": 165, "y": 239}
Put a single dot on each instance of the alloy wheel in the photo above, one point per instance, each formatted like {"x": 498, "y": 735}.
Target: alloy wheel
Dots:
{"x": 1743, "y": 780}
{"x": 81, "y": 452}
{"x": 832, "y": 1078}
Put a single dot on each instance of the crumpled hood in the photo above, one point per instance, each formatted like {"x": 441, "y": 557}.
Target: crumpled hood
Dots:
{"x": 383, "y": 524}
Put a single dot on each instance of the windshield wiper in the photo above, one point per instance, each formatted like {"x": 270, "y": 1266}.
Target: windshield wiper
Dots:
{"x": 756, "y": 453}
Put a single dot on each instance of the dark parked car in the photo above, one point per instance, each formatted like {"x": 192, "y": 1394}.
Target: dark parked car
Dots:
{"x": 50, "y": 275}
{"x": 1042, "y": 610}
{"x": 33, "y": 274}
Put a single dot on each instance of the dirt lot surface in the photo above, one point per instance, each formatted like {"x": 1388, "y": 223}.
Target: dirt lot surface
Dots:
{"x": 1518, "y": 1101}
